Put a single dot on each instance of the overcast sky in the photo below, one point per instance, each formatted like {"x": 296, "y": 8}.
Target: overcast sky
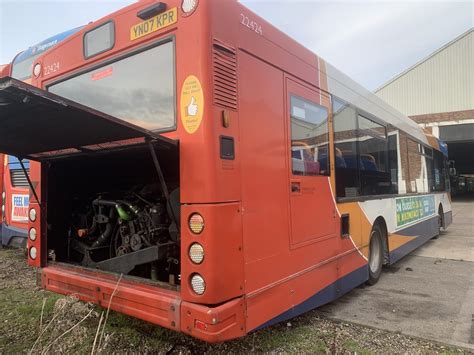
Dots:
{"x": 371, "y": 41}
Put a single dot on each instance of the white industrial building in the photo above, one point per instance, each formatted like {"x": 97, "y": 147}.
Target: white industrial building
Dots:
{"x": 438, "y": 93}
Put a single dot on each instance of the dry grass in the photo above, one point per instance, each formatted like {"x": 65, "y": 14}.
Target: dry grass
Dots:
{"x": 41, "y": 322}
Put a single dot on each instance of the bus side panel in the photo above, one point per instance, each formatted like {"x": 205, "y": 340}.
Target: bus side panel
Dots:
{"x": 211, "y": 178}
{"x": 403, "y": 239}
{"x": 445, "y": 201}
{"x": 281, "y": 281}
{"x": 265, "y": 187}
{"x": 359, "y": 227}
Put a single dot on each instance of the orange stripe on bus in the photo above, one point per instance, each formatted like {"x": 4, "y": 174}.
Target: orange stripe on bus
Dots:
{"x": 395, "y": 241}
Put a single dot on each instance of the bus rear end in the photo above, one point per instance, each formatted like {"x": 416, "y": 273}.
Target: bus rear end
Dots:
{"x": 132, "y": 195}
{"x": 4, "y": 71}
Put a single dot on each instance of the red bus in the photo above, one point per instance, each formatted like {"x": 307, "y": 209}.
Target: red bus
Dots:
{"x": 204, "y": 172}
{"x": 15, "y": 202}
{"x": 4, "y": 71}
{"x": 15, "y": 189}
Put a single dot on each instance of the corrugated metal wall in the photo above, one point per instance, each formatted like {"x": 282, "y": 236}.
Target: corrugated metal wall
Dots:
{"x": 442, "y": 83}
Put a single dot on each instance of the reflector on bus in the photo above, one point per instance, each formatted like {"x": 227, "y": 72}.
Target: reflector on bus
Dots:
{"x": 39, "y": 125}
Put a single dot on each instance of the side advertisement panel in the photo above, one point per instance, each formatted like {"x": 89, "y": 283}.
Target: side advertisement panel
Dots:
{"x": 414, "y": 208}
{"x": 20, "y": 203}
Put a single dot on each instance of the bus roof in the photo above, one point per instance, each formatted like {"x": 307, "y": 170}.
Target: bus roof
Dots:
{"x": 44, "y": 45}
{"x": 343, "y": 87}
{"x": 21, "y": 65}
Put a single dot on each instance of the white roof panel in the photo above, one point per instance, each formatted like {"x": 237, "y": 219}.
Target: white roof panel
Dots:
{"x": 343, "y": 87}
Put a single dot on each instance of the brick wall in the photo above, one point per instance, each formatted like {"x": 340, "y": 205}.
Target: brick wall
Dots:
{"x": 444, "y": 116}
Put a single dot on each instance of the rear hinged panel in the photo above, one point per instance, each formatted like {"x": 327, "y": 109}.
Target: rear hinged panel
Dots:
{"x": 34, "y": 121}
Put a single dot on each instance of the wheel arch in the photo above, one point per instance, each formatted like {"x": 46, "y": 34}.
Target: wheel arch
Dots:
{"x": 440, "y": 207}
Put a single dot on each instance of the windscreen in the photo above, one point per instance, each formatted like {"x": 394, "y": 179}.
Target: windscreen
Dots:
{"x": 138, "y": 88}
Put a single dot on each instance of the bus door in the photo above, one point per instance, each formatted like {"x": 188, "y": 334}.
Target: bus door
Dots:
{"x": 312, "y": 206}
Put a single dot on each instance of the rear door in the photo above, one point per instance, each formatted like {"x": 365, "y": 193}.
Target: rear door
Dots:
{"x": 312, "y": 206}
{"x": 39, "y": 125}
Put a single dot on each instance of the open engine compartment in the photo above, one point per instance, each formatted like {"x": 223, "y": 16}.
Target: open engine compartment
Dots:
{"x": 108, "y": 210}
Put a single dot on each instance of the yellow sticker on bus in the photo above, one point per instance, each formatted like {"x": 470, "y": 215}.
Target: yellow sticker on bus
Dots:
{"x": 154, "y": 24}
{"x": 192, "y": 104}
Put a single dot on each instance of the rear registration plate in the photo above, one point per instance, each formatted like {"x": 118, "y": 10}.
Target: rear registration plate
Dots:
{"x": 154, "y": 24}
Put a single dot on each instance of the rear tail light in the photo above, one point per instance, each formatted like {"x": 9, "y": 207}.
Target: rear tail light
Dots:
{"x": 189, "y": 6}
{"x": 200, "y": 325}
{"x": 32, "y": 234}
{"x": 37, "y": 70}
{"x": 196, "y": 253}
{"x": 32, "y": 215}
{"x": 196, "y": 223}
{"x": 198, "y": 284}
{"x": 33, "y": 253}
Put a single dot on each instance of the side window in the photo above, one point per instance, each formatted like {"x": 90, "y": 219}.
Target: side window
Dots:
{"x": 428, "y": 169}
{"x": 404, "y": 185}
{"x": 309, "y": 138}
{"x": 420, "y": 160}
{"x": 375, "y": 176}
{"x": 415, "y": 167}
{"x": 364, "y": 164}
{"x": 439, "y": 172}
{"x": 345, "y": 147}
{"x": 393, "y": 159}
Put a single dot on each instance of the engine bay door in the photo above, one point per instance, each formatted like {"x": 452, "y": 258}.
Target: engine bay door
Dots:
{"x": 39, "y": 125}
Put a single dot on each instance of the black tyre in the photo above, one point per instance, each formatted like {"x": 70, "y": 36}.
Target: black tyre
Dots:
{"x": 440, "y": 219}
{"x": 375, "y": 255}
{"x": 440, "y": 222}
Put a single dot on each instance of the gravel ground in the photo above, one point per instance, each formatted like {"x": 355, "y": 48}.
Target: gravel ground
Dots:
{"x": 34, "y": 320}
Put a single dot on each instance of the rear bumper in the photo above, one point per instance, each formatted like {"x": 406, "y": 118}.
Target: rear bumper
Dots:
{"x": 214, "y": 324}
{"x": 150, "y": 303}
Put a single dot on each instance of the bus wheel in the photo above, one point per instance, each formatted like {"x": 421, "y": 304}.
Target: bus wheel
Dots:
{"x": 375, "y": 255}
{"x": 440, "y": 219}
{"x": 440, "y": 222}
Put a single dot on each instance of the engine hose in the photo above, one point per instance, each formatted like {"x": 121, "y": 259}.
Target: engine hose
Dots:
{"x": 100, "y": 202}
{"x": 126, "y": 211}
{"x": 104, "y": 237}
{"x": 93, "y": 228}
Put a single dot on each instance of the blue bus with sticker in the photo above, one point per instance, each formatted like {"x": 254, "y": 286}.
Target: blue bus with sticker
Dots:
{"x": 23, "y": 62}
{"x": 14, "y": 183}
